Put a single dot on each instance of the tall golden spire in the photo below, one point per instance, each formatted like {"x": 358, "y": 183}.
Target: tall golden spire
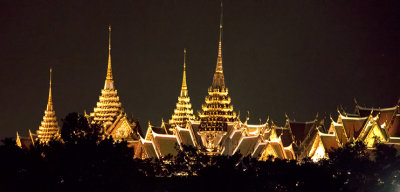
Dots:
{"x": 183, "y": 111}
{"x": 219, "y": 59}
{"x": 49, "y": 125}
{"x": 108, "y": 107}
{"x": 218, "y": 80}
{"x": 50, "y": 100}
{"x": 109, "y": 70}
{"x": 217, "y": 110}
{"x": 109, "y": 84}
{"x": 184, "y": 85}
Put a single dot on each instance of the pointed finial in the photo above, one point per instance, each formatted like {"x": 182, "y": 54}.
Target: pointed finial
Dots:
{"x": 50, "y": 100}
{"x": 184, "y": 59}
{"x": 109, "y": 70}
{"x": 51, "y": 70}
{"x": 219, "y": 60}
{"x": 184, "y": 85}
{"x": 222, "y": 10}
{"x": 355, "y": 101}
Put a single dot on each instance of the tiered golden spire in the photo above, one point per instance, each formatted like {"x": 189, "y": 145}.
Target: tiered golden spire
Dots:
{"x": 183, "y": 111}
{"x": 109, "y": 106}
{"x": 49, "y": 125}
{"x": 217, "y": 110}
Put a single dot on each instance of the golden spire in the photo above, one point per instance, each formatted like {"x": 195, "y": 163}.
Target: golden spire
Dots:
{"x": 217, "y": 111}
{"x": 183, "y": 111}
{"x": 49, "y": 125}
{"x": 108, "y": 108}
{"x": 184, "y": 85}
{"x": 109, "y": 84}
{"x": 219, "y": 60}
{"x": 50, "y": 101}
{"x": 109, "y": 70}
{"x": 218, "y": 80}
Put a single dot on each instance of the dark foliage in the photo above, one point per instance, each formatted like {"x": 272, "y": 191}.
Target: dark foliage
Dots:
{"x": 84, "y": 162}
{"x": 76, "y": 125}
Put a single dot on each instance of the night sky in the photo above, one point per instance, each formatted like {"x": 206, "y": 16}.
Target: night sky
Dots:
{"x": 294, "y": 57}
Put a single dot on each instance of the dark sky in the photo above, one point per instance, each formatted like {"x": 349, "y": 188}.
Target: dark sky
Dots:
{"x": 294, "y": 57}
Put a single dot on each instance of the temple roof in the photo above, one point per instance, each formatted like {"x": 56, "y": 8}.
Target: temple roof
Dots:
{"x": 353, "y": 125}
{"x": 394, "y": 128}
{"x": 328, "y": 141}
{"x": 161, "y": 130}
{"x": 285, "y": 135}
{"x": 300, "y": 130}
{"x": 385, "y": 114}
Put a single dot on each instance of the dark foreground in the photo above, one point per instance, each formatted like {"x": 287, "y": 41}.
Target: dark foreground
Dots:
{"x": 84, "y": 163}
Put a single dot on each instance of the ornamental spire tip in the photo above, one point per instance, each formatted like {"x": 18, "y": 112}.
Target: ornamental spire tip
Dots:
{"x": 109, "y": 69}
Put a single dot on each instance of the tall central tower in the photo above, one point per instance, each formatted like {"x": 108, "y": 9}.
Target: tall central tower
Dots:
{"x": 217, "y": 110}
{"x": 109, "y": 106}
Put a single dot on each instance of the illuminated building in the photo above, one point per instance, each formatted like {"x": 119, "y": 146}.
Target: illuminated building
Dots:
{"x": 183, "y": 111}
{"x": 299, "y": 136}
{"x": 217, "y": 131}
{"x": 368, "y": 125}
{"x": 109, "y": 113}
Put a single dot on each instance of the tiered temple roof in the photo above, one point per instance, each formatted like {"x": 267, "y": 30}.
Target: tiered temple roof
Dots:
{"x": 109, "y": 106}
{"x": 183, "y": 111}
{"x": 368, "y": 125}
{"x": 48, "y": 128}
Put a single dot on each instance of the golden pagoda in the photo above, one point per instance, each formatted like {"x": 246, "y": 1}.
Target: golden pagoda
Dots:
{"x": 49, "y": 128}
{"x": 217, "y": 110}
{"x": 109, "y": 106}
{"x": 183, "y": 111}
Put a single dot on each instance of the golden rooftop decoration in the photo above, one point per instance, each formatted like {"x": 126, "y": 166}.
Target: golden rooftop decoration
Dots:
{"x": 109, "y": 106}
{"x": 49, "y": 125}
{"x": 183, "y": 111}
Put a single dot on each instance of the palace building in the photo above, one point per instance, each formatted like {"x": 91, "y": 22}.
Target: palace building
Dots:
{"x": 218, "y": 130}
{"x": 368, "y": 125}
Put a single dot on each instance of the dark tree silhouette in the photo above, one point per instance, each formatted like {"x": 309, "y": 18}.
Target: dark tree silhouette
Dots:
{"x": 77, "y": 125}
{"x": 85, "y": 162}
